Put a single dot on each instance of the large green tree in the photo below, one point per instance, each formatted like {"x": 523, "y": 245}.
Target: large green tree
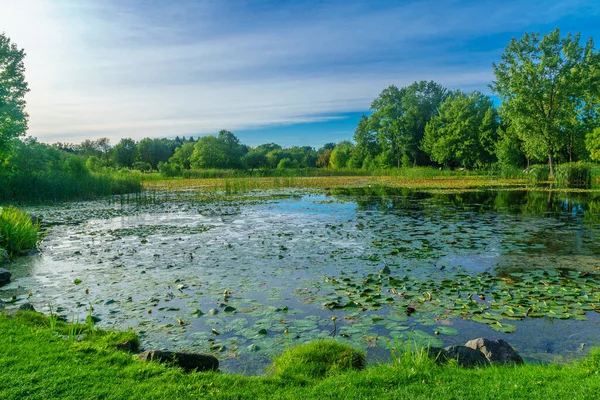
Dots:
{"x": 547, "y": 85}
{"x": 13, "y": 118}
{"x": 463, "y": 131}
{"x": 124, "y": 153}
{"x": 399, "y": 118}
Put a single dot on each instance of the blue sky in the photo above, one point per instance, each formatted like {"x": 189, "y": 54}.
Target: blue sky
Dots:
{"x": 291, "y": 72}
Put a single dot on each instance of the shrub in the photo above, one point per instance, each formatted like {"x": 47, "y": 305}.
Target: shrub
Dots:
{"x": 317, "y": 360}
{"x": 17, "y": 232}
{"x": 539, "y": 173}
{"x": 142, "y": 166}
{"x": 574, "y": 174}
{"x": 169, "y": 169}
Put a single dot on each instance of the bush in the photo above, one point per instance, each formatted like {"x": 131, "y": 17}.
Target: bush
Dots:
{"x": 539, "y": 173}
{"x": 169, "y": 169}
{"x": 142, "y": 166}
{"x": 318, "y": 360}
{"x": 574, "y": 174}
{"x": 18, "y": 234}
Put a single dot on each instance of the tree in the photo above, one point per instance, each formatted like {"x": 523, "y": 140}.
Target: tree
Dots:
{"x": 543, "y": 83}
{"x": 387, "y": 110}
{"x": 254, "y": 159}
{"x": 183, "y": 155}
{"x": 153, "y": 151}
{"x": 341, "y": 155}
{"x": 399, "y": 118}
{"x": 420, "y": 102}
{"x": 124, "y": 153}
{"x": 13, "y": 118}
{"x": 234, "y": 150}
{"x": 209, "y": 152}
{"x": 592, "y": 143}
{"x": 366, "y": 141}
{"x": 454, "y": 137}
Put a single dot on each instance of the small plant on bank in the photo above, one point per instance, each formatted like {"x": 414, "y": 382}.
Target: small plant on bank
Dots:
{"x": 18, "y": 234}
{"x": 318, "y": 360}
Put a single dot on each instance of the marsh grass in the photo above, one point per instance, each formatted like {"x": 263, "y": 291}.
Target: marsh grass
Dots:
{"x": 18, "y": 234}
{"x": 36, "y": 187}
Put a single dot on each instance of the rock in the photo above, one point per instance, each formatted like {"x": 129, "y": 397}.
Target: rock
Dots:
{"x": 129, "y": 346}
{"x": 4, "y": 257}
{"x": 26, "y": 307}
{"x": 35, "y": 219}
{"x": 187, "y": 361}
{"x": 385, "y": 270}
{"x": 437, "y": 354}
{"x": 496, "y": 351}
{"x": 466, "y": 356}
{"x": 2, "y": 305}
{"x": 4, "y": 276}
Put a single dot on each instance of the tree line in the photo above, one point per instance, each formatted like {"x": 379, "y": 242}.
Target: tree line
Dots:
{"x": 547, "y": 111}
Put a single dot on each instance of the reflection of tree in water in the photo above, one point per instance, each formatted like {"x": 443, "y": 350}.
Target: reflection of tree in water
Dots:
{"x": 592, "y": 214}
{"x": 518, "y": 202}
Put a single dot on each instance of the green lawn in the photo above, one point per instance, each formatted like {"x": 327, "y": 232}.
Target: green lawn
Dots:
{"x": 37, "y": 362}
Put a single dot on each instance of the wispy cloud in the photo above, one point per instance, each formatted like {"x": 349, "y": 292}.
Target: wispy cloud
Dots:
{"x": 139, "y": 69}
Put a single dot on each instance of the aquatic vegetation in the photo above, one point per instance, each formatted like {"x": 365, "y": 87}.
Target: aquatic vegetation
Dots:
{"x": 244, "y": 276}
{"x": 433, "y": 295}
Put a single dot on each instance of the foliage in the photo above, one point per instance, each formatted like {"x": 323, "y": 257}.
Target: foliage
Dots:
{"x": 35, "y": 172}
{"x": 509, "y": 150}
{"x": 18, "y": 234}
{"x": 547, "y": 85}
{"x": 13, "y": 87}
{"x": 169, "y": 169}
{"x": 577, "y": 174}
{"x": 142, "y": 166}
{"x": 464, "y": 131}
{"x": 592, "y": 143}
{"x": 340, "y": 155}
{"x": 318, "y": 360}
{"x": 124, "y": 153}
{"x": 153, "y": 151}
{"x": 400, "y": 115}
{"x": 539, "y": 173}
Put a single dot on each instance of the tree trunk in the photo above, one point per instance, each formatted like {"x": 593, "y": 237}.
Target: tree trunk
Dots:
{"x": 551, "y": 163}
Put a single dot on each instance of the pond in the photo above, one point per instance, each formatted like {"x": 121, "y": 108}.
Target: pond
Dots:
{"x": 245, "y": 278}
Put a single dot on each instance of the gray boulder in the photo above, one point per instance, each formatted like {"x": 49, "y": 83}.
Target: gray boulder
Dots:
{"x": 26, "y": 307}
{"x": 4, "y": 276}
{"x": 465, "y": 356}
{"x": 34, "y": 219}
{"x": 495, "y": 351}
{"x": 187, "y": 361}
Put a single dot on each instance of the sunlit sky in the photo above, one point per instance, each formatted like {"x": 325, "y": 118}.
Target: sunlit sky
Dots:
{"x": 291, "y": 72}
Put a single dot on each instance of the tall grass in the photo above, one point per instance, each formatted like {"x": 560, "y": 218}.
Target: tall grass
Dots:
{"x": 35, "y": 187}
{"x": 577, "y": 174}
{"x": 18, "y": 234}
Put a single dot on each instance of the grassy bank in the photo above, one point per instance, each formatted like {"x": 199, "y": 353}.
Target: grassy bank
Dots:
{"x": 40, "y": 361}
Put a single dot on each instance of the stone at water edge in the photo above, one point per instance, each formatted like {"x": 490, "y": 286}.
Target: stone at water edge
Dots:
{"x": 187, "y": 361}
{"x": 4, "y": 276}
{"x": 466, "y": 356}
{"x": 26, "y": 307}
{"x": 496, "y": 351}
